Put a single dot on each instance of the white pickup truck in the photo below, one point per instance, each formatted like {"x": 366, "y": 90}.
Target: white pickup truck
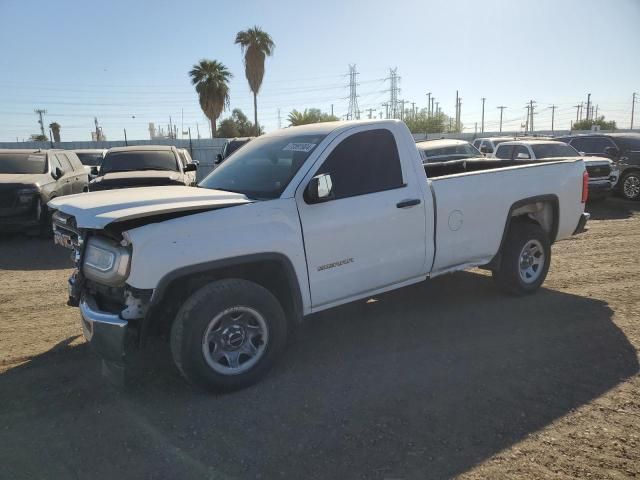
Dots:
{"x": 298, "y": 221}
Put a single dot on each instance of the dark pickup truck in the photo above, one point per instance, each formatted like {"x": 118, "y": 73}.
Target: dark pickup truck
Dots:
{"x": 143, "y": 166}
{"x": 29, "y": 179}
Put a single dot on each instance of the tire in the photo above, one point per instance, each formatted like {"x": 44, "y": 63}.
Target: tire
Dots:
{"x": 529, "y": 244}
{"x": 240, "y": 318}
{"x": 630, "y": 186}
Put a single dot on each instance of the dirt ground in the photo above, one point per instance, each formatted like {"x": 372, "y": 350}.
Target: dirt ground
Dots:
{"x": 443, "y": 379}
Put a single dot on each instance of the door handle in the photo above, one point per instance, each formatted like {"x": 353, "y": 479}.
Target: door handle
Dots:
{"x": 411, "y": 202}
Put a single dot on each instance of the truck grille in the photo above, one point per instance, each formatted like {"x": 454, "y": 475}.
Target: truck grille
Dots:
{"x": 598, "y": 171}
{"x": 8, "y": 196}
{"x": 65, "y": 231}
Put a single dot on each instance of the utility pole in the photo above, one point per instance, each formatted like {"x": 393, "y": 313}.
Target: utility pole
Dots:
{"x": 402, "y": 102}
{"x": 482, "y": 128}
{"x": 595, "y": 117}
{"x": 125, "y": 138}
{"x": 332, "y": 109}
{"x": 40, "y": 112}
{"x": 433, "y": 99}
{"x": 501, "y": 108}
{"x": 198, "y": 130}
{"x": 386, "y": 110}
{"x": 393, "y": 92}
{"x": 437, "y": 109}
{"x": 633, "y": 109}
{"x": 553, "y": 114}
{"x": 526, "y": 125}
{"x": 457, "y": 113}
{"x": 280, "y": 118}
{"x": 577, "y": 107}
{"x": 531, "y": 111}
{"x": 429, "y": 104}
{"x": 588, "y": 105}
{"x": 413, "y": 109}
{"x": 371, "y": 110}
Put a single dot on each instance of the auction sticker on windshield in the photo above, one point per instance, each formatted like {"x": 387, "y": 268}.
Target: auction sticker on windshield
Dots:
{"x": 299, "y": 147}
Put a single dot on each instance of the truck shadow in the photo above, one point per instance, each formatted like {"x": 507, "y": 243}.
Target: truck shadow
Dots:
{"x": 20, "y": 252}
{"x": 612, "y": 208}
{"x": 425, "y": 382}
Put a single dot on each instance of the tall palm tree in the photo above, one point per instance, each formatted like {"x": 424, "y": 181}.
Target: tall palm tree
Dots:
{"x": 211, "y": 79}
{"x": 256, "y": 45}
{"x": 55, "y": 129}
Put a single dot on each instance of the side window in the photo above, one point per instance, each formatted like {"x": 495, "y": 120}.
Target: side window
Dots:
{"x": 55, "y": 163}
{"x": 600, "y": 143}
{"x": 520, "y": 149}
{"x": 476, "y": 143}
{"x": 365, "y": 162}
{"x": 64, "y": 161}
{"x": 504, "y": 151}
{"x": 591, "y": 144}
{"x": 487, "y": 144}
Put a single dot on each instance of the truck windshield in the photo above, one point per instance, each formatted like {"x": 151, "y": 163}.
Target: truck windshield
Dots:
{"x": 264, "y": 167}
{"x": 139, "y": 160}
{"x": 554, "y": 150}
{"x": 450, "y": 152}
{"x": 22, "y": 163}
{"x": 91, "y": 159}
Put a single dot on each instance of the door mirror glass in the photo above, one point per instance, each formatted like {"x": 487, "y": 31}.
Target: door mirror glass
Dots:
{"x": 523, "y": 156}
{"x": 190, "y": 167}
{"x": 94, "y": 170}
{"x": 320, "y": 189}
{"x": 57, "y": 173}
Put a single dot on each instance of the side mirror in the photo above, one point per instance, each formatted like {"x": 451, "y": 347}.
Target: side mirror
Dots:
{"x": 612, "y": 152}
{"x": 486, "y": 150}
{"x": 57, "y": 173}
{"x": 523, "y": 156}
{"x": 94, "y": 171}
{"x": 320, "y": 189}
{"x": 196, "y": 163}
{"x": 190, "y": 167}
{"x": 218, "y": 158}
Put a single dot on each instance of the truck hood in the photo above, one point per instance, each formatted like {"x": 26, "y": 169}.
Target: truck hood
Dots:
{"x": 96, "y": 210}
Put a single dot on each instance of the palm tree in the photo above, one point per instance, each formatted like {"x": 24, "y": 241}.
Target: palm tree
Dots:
{"x": 211, "y": 79}
{"x": 256, "y": 45}
{"x": 55, "y": 128}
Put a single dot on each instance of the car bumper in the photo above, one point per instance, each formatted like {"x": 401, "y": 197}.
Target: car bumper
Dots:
{"x": 16, "y": 223}
{"x": 106, "y": 332}
{"x": 584, "y": 218}
{"x": 600, "y": 187}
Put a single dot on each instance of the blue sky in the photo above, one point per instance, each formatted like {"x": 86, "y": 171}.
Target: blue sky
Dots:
{"x": 123, "y": 59}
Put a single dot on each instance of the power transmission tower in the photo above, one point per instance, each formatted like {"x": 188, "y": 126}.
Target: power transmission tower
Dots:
{"x": 393, "y": 92}
{"x": 40, "y": 112}
{"x": 482, "y": 127}
{"x": 501, "y": 107}
{"x": 354, "y": 111}
{"x": 553, "y": 115}
{"x": 633, "y": 109}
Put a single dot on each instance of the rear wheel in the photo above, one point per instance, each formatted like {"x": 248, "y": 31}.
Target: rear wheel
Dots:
{"x": 630, "y": 186}
{"x": 525, "y": 259}
{"x": 228, "y": 334}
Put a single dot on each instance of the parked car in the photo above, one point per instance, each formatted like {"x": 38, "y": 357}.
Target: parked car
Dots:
{"x": 190, "y": 172}
{"x": 298, "y": 221}
{"x": 29, "y": 179}
{"x": 91, "y": 158}
{"x": 148, "y": 165}
{"x": 487, "y": 145}
{"x": 446, "y": 149}
{"x": 231, "y": 146}
{"x": 603, "y": 173}
{"x": 622, "y": 148}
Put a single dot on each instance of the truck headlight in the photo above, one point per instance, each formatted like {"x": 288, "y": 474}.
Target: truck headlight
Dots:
{"x": 106, "y": 262}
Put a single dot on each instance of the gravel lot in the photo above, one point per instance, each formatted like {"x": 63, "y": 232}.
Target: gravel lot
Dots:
{"x": 442, "y": 379}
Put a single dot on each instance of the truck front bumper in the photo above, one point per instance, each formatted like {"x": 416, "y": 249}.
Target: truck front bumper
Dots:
{"x": 584, "y": 218}
{"x": 104, "y": 331}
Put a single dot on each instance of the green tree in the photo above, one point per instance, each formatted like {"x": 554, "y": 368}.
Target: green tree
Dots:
{"x": 312, "y": 115}
{"x": 237, "y": 125}
{"x": 211, "y": 80}
{"x": 421, "y": 122}
{"x": 600, "y": 121}
{"x": 38, "y": 137}
{"x": 55, "y": 128}
{"x": 256, "y": 45}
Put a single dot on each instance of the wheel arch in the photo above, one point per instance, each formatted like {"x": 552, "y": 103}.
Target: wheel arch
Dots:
{"x": 541, "y": 209}
{"x": 273, "y": 271}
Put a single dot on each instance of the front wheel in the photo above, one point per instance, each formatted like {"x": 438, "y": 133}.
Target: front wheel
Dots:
{"x": 526, "y": 256}
{"x": 630, "y": 186}
{"x": 228, "y": 334}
